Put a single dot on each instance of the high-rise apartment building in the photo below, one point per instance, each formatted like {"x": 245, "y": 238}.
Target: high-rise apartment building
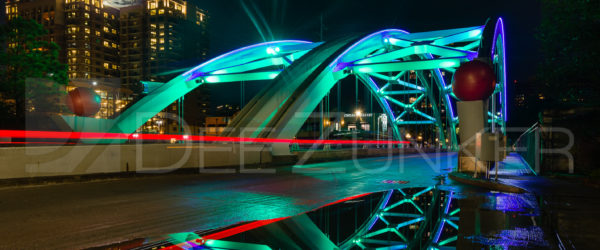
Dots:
{"x": 142, "y": 41}
{"x": 158, "y": 37}
{"x": 125, "y": 42}
{"x": 133, "y": 49}
{"x": 92, "y": 39}
{"x": 48, "y": 13}
{"x": 85, "y": 30}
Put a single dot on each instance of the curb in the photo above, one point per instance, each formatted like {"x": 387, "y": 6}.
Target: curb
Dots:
{"x": 488, "y": 184}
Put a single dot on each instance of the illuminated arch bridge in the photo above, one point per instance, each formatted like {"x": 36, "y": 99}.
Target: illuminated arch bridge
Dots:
{"x": 408, "y": 74}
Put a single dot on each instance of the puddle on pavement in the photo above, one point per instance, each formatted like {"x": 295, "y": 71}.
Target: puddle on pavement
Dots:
{"x": 435, "y": 217}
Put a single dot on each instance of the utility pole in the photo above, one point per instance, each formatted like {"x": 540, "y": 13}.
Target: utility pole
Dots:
{"x": 321, "y": 28}
{"x": 321, "y": 126}
{"x": 242, "y": 94}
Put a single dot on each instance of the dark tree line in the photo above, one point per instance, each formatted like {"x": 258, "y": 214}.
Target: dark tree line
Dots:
{"x": 31, "y": 76}
{"x": 569, "y": 36}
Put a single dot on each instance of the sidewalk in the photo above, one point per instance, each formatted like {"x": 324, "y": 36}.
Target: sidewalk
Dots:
{"x": 571, "y": 207}
{"x": 512, "y": 166}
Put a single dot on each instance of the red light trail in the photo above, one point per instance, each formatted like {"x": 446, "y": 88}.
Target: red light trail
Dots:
{"x": 245, "y": 227}
{"x": 27, "y": 134}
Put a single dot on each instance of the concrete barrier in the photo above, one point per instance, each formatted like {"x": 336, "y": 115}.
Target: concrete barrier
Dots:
{"x": 337, "y": 154}
{"x": 46, "y": 161}
{"x": 27, "y": 163}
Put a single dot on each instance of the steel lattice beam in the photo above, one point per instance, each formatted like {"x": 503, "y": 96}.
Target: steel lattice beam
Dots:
{"x": 387, "y": 55}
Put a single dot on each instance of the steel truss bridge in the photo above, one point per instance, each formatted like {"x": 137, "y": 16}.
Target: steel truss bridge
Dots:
{"x": 408, "y": 74}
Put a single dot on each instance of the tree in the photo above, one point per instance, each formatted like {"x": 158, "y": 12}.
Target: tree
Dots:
{"x": 31, "y": 75}
{"x": 570, "y": 53}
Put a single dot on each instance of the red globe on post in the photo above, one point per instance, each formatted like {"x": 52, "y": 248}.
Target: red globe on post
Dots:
{"x": 83, "y": 101}
{"x": 474, "y": 80}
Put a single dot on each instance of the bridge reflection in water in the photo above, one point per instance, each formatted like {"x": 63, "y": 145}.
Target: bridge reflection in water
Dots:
{"x": 434, "y": 217}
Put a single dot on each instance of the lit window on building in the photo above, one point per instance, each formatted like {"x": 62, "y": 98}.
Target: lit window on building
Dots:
{"x": 199, "y": 17}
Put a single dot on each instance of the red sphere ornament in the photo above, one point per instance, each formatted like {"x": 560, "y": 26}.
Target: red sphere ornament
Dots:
{"x": 474, "y": 80}
{"x": 83, "y": 101}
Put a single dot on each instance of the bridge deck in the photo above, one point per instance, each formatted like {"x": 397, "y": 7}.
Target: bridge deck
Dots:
{"x": 102, "y": 212}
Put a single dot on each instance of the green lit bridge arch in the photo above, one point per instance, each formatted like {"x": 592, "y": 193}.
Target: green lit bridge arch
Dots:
{"x": 409, "y": 74}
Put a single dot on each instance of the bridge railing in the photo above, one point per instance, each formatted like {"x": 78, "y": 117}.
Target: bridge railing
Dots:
{"x": 528, "y": 145}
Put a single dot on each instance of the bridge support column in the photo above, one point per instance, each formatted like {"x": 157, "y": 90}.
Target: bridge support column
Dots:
{"x": 472, "y": 121}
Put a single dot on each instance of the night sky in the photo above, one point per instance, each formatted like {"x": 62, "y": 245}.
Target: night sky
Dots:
{"x": 230, "y": 26}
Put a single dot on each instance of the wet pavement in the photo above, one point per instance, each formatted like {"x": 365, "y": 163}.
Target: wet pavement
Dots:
{"x": 442, "y": 216}
{"x": 431, "y": 211}
{"x": 80, "y": 215}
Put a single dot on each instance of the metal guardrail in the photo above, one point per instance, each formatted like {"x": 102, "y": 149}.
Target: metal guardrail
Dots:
{"x": 528, "y": 145}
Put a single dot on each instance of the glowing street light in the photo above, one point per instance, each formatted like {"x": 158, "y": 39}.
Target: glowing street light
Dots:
{"x": 358, "y": 113}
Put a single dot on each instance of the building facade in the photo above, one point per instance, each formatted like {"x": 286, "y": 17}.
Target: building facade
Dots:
{"x": 159, "y": 37}
{"x": 111, "y": 46}
{"x": 48, "y": 13}
{"x": 92, "y": 40}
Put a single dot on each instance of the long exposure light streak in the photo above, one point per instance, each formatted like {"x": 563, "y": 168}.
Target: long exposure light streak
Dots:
{"x": 27, "y": 134}
{"x": 246, "y": 227}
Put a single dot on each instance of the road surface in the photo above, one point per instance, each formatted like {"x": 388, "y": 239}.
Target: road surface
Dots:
{"x": 88, "y": 214}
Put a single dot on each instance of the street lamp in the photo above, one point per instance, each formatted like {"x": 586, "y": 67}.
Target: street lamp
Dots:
{"x": 358, "y": 113}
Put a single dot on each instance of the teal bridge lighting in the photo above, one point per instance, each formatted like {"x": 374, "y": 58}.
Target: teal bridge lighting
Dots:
{"x": 388, "y": 225}
{"x": 408, "y": 74}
